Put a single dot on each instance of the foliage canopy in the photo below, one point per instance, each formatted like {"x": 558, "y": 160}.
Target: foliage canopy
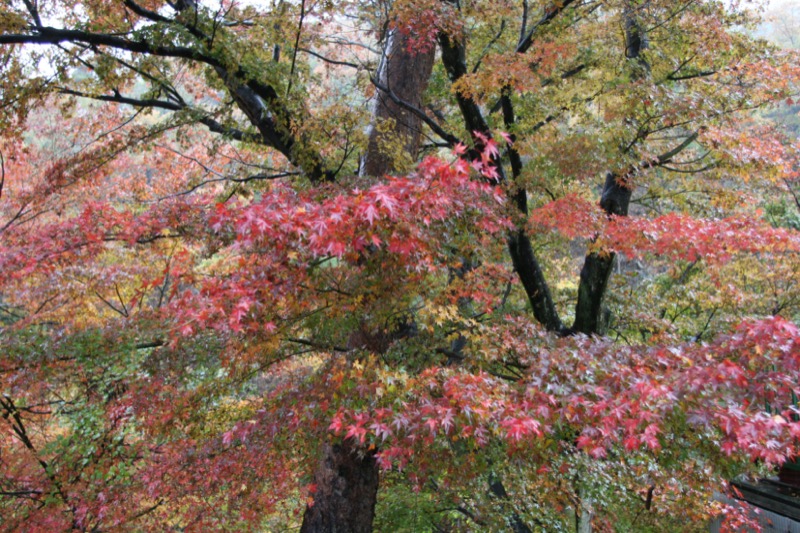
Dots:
{"x": 568, "y": 296}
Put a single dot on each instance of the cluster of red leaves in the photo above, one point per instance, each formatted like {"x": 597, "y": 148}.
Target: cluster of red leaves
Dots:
{"x": 448, "y": 404}
{"x": 757, "y": 148}
{"x": 609, "y": 395}
{"x": 577, "y": 393}
{"x": 673, "y": 235}
{"x": 421, "y": 22}
{"x": 398, "y": 223}
{"x": 178, "y": 470}
{"x": 384, "y": 215}
{"x": 252, "y": 464}
{"x": 29, "y": 252}
{"x": 276, "y": 240}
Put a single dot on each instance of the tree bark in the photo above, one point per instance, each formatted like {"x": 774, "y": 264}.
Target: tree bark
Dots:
{"x": 396, "y": 132}
{"x": 614, "y": 200}
{"x": 514, "y": 521}
{"x": 584, "y": 516}
{"x": 347, "y": 487}
{"x": 347, "y": 479}
{"x": 259, "y": 101}
{"x": 519, "y": 245}
{"x": 533, "y": 281}
{"x": 597, "y": 267}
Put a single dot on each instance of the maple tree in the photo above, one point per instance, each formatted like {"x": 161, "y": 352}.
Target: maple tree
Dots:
{"x": 416, "y": 264}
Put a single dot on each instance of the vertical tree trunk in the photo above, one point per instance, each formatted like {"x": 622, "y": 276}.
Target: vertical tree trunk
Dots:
{"x": 347, "y": 478}
{"x": 614, "y": 200}
{"x": 514, "y": 521}
{"x": 597, "y": 266}
{"x": 347, "y": 487}
{"x": 519, "y": 245}
{"x": 585, "y": 514}
{"x": 533, "y": 281}
{"x": 395, "y": 133}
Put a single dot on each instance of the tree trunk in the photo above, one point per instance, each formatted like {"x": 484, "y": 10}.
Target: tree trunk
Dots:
{"x": 519, "y": 245}
{"x": 395, "y": 133}
{"x": 584, "y": 519}
{"x": 514, "y": 521}
{"x": 614, "y": 200}
{"x": 533, "y": 281}
{"x": 347, "y": 488}
{"x": 347, "y": 478}
{"x": 585, "y": 511}
{"x": 597, "y": 267}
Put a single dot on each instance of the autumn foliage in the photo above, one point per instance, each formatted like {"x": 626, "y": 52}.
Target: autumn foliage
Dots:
{"x": 580, "y": 307}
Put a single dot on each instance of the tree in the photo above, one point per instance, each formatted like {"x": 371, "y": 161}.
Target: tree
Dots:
{"x": 214, "y": 322}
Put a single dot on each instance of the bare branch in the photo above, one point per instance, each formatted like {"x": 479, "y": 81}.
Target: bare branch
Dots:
{"x": 320, "y": 346}
{"x": 794, "y": 194}
{"x": 329, "y": 60}
{"x": 47, "y": 35}
{"x": 34, "y": 11}
{"x": 296, "y": 46}
{"x": 121, "y": 312}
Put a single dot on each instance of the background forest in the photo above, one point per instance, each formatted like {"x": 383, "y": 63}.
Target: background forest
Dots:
{"x": 409, "y": 265}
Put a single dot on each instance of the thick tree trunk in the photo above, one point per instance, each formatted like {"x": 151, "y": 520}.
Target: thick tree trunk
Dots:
{"x": 597, "y": 267}
{"x": 614, "y": 200}
{"x": 347, "y": 487}
{"x": 347, "y": 479}
{"x": 514, "y": 521}
{"x": 395, "y": 133}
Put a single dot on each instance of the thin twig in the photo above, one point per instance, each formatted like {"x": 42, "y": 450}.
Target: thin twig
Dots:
{"x": 296, "y": 46}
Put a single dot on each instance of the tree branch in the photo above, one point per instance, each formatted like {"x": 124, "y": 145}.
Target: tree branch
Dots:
{"x": 519, "y": 245}
{"x": 451, "y": 139}
{"x": 296, "y": 46}
{"x": 250, "y": 95}
{"x": 319, "y": 346}
{"x": 550, "y": 13}
{"x": 329, "y": 60}
{"x": 47, "y": 35}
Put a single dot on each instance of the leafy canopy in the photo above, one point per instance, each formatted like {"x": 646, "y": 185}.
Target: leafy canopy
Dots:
{"x": 585, "y": 289}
